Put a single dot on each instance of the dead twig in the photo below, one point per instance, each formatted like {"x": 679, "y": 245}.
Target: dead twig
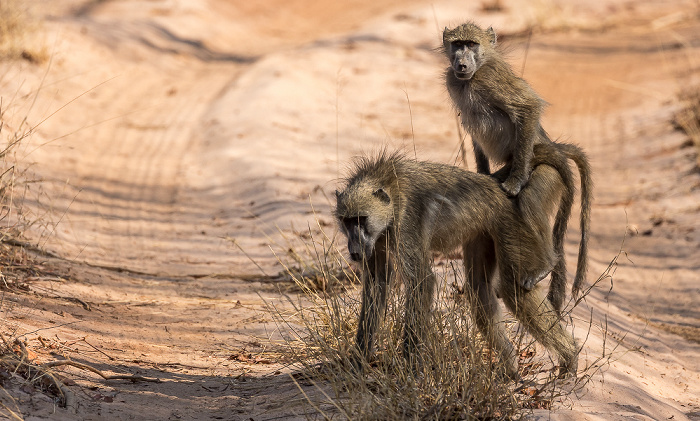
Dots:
{"x": 86, "y": 367}
{"x": 98, "y": 350}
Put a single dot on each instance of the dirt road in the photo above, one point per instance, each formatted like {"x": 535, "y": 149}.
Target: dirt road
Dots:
{"x": 188, "y": 141}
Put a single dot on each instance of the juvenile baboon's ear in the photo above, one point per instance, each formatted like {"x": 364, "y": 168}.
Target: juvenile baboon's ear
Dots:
{"x": 492, "y": 35}
{"x": 381, "y": 195}
{"x": 337, "y": 195}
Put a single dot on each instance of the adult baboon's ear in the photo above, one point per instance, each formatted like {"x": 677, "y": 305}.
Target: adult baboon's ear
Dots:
{"x": 381, "y": 195}
{"x": 492, "y": 35}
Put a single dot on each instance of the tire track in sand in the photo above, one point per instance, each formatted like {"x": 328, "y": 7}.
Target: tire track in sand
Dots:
{"x": 124, "y": 200}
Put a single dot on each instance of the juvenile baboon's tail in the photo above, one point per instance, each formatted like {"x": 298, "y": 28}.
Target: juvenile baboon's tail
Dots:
{"x": 579, "y": 157}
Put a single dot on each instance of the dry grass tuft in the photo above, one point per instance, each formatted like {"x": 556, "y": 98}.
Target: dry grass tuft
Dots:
{"x": 13, "y": 184}
{"x": 688, "y": 119}
{"x": 315, "y": 268}
{"x": 17, "y": 268}
{"x": 19, "y": 33}
{"x": 454, "y": 377}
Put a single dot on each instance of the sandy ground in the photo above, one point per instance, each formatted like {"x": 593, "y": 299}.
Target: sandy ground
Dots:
{"x": 176, "y": 134}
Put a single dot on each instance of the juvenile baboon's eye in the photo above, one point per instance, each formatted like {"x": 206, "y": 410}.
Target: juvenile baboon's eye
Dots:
{"x": 471, "y": 44}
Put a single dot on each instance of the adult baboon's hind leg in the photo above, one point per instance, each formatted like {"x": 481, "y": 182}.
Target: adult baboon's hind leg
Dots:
{"x": 533, "y": 309}
{"x": 526, "y": 240}
{"x": 479, "y": 268}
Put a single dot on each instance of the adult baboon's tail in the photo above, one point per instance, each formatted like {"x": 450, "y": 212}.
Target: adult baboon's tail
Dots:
{"x": 579, "y": 157}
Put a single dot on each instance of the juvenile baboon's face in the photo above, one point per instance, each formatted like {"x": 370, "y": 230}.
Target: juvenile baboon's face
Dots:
{"x": 364, "y": 214}
{"x": 465, "y": 46}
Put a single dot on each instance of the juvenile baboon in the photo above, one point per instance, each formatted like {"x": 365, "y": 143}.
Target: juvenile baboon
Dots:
{"x": 502, "y": 113}
{"x": 395, "y": 211}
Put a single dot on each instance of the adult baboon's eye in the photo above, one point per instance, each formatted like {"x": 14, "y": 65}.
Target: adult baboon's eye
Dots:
{"x": 382, "y": 195}
{"x": 355, "y": 220}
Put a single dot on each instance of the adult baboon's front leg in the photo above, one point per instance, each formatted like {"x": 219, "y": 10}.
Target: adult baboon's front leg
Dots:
{"x": 480, "y": 265}
{"x": 419, "y": 283}
{"x": 375, "y": 283}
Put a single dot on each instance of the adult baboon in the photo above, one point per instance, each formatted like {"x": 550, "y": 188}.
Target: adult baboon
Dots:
{"x": 502, "y": 113}
{"x": 395, "y": 211}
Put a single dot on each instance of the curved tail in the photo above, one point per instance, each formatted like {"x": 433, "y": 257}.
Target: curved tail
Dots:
{"x": 579, "y": 157}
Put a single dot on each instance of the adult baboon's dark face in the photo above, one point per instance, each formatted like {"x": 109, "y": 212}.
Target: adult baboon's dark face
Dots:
{"x": 364, "y": 214}
{"x": 360, "y": 243}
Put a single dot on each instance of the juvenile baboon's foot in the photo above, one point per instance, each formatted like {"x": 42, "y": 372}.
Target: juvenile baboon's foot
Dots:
{"x": 513, "y": 185}
{"x": 530, "y": 282}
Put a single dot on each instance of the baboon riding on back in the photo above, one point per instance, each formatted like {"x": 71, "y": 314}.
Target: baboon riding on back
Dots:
{"x": 395, "y": 211}
{"x": 502, "y": 114}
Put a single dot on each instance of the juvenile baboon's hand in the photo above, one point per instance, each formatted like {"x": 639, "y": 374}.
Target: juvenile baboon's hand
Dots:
{"x": 513, "y": 185}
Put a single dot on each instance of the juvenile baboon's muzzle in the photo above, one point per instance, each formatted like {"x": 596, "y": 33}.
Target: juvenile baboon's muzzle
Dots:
{"x": 462, "y": 71}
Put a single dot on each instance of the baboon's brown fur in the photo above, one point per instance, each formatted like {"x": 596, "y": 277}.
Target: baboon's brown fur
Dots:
{"x": 395, "y": 211}
{"x": 502, "y": 113}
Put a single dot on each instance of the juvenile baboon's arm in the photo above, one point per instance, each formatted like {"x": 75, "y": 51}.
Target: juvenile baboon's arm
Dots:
{"x": 525, "y": 133}
{"x": 524, "y": 107}
{"x": 482, "y": 161}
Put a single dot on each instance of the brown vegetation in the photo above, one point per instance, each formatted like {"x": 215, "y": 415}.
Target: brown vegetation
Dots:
{"x": 688, "y": 119}
{"x": 19, "y": 35}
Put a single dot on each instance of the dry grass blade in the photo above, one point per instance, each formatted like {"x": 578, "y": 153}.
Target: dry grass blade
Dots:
{"x": 454, "y": 377}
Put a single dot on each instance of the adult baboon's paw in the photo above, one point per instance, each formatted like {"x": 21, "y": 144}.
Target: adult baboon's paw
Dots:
{"x": 357, "y": 362}
{"x": 566, "y": 373}
{"x": 568, "y": 369}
